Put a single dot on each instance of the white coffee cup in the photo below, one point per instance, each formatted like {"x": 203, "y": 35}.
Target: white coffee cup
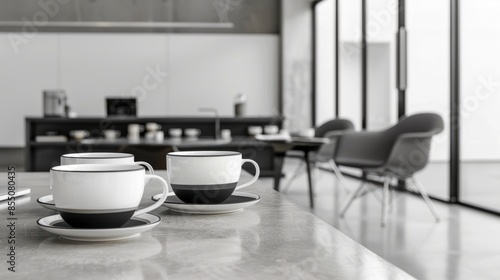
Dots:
{"x": 103, "y": 158}
{"x": 225, "y": 134}
{"x": 134, "y": 130}
{"x": 101, "y": 195}
{"x": 206, "y": 177}
{"x": 153, "y": 126}
{"x": 159, "y": 136}
{"x": 111, "y": 134}
{"x": 150, "y": 135}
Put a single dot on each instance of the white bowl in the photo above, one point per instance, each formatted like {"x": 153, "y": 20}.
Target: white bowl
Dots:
{"x": 254, "y": 130}
{"x": 175, "y": 132}
{"x": 191, "y": 132}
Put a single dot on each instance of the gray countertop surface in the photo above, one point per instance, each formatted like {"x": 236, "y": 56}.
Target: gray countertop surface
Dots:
{"x": 273, "y": 239}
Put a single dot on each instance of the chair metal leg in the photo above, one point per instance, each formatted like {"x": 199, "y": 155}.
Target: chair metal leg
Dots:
{"x": 351, "y": 198}
{"x": 367, "y": 190}
{"x": 385, "y": 201}
{"x": 296, "y": 174}
{"x": 309, "y": 179}
{"x": 428, "y": 201}
{"x": 316, "y": 174}
{"x": 340, "y": 176}
{"x": 374, "y": 193}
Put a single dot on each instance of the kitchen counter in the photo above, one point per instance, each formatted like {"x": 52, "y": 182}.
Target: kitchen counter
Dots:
{"x": 273, "y": 239}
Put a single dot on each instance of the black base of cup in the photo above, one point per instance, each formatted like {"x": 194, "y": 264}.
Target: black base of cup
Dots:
{"x": 96, "y": 220}
{"x": 204, "y": 194}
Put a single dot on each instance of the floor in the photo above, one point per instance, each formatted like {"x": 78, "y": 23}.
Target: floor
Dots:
{"x": 484, "y": 193}
{"x": 463, "y": 245}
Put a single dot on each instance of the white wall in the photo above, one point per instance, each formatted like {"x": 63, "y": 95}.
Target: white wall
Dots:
{"x": 22, "y": 78}
{"x": 208, "y": 71}
{"x": 198, "y": 70}
{"x": 93, "y": 66}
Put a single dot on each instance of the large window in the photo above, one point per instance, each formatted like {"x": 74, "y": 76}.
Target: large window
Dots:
{"x": 325, "y": 60}
{"x": 445, "y": 75}
{"x": 350, "y": 34}
{"x": 480, "y": 100}
{"x": 428, "y": 87}
{"x": 381, "y": 27}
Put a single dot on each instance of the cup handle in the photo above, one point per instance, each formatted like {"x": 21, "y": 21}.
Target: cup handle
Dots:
{"x": 147, "y": 165}
{"x": 158, "y": 203}
{"x": 255, "y": 177}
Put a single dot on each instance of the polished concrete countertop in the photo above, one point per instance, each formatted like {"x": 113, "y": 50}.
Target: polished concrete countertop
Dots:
{"x": 273, "y": 239}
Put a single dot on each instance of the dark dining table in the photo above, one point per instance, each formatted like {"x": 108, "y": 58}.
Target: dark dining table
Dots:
{"x": 273, "y": 239}
{"x": 305, "y": 145}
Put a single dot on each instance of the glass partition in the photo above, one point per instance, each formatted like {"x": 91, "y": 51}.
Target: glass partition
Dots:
{"x": 325, "y": 60}
{"x": 382, "y": 95}
{"x": 350, "y": 61}
{"x": 428, "y": 87}
{"x": 480, "y": 100}
{"x": 428, "y": 50}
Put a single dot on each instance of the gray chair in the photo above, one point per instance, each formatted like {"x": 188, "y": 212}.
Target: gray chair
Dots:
{"x": 330, "y": 129}
{"x": 395, "y": 153}
{"x": 332, "y": 126}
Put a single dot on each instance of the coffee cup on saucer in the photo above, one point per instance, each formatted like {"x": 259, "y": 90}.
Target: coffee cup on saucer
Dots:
{"x": 101, "y": 195}
{"x": 102, "y": 158}
{"x": 192, "y": 132}
{"x": 206, "y": 177}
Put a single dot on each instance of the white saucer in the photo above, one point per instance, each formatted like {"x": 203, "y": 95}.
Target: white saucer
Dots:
{"x": 236, "y": 202}
{"x": 136, "y": 225}
{"x": 47, "y": 202}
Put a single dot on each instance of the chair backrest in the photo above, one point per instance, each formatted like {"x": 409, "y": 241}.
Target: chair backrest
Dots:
{"x": 327, "y": 151}
{"x": 424, "y": 122}
{"x": 412, "y": 154}
{"x": 380, "y": 150}
{"x": 333, "y": 125}
{"x": 419, "y": 123}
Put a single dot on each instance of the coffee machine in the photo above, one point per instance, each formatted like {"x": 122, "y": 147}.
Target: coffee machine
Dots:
{"x": 54, "y": 103}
